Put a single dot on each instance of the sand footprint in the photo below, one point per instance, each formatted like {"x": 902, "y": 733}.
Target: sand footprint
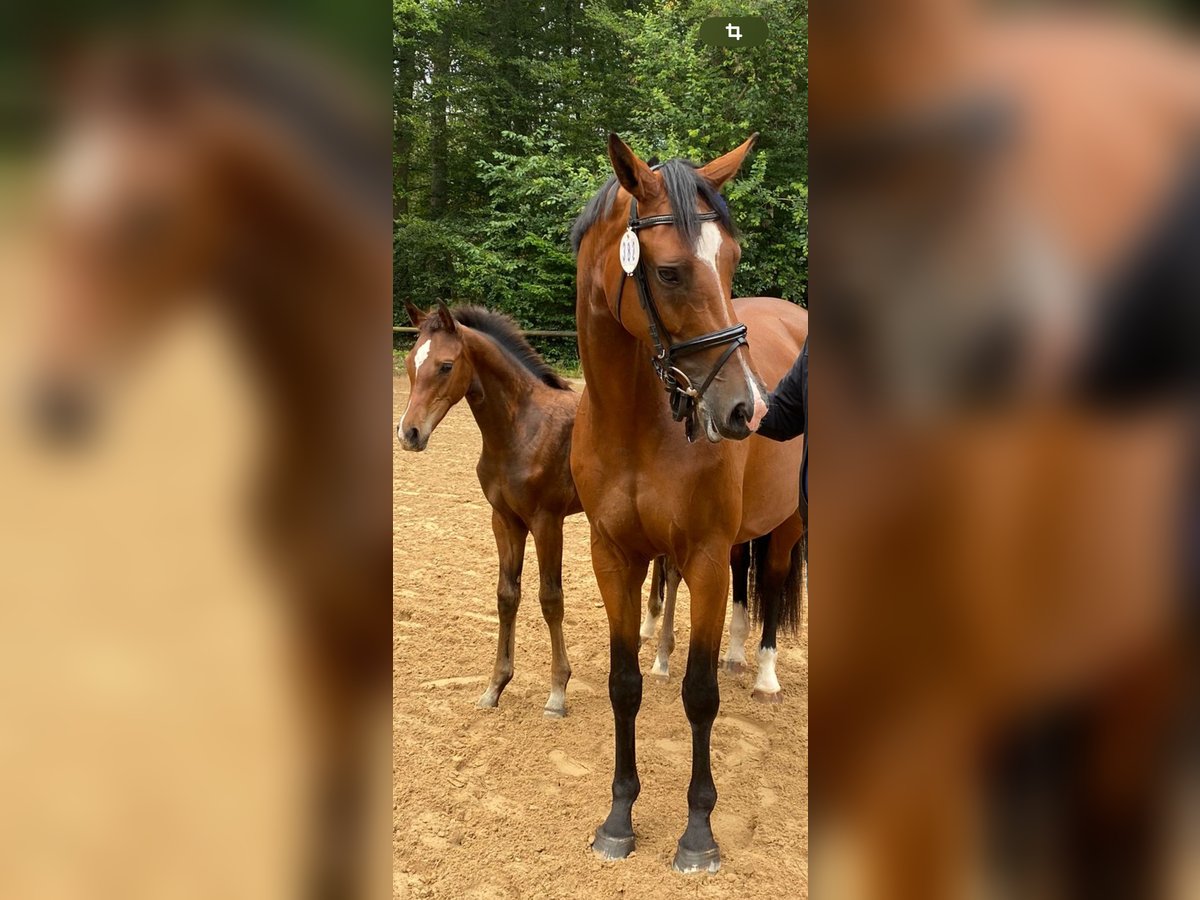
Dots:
{"x": 568, "y": 766}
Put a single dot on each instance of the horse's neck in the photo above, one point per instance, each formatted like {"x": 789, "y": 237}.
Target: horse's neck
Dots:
{"x": 616, "y": 367}
{"x": 499, "y": 397}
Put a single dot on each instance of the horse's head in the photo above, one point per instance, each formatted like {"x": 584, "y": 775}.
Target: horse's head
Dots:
{"x": 687, "y": 259}
{"x": 439, "y": 375}
{"x": 131, "y": 218}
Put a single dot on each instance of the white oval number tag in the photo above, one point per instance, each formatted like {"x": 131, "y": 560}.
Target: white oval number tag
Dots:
{"x": 631, "y": 251}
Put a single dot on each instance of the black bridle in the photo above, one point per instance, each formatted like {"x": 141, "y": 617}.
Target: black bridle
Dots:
{"x": 683, "y": 394}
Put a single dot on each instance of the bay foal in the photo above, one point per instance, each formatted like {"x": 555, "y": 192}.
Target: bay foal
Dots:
{"x": 525, "y": 412}
{"x": 655, "y": 260}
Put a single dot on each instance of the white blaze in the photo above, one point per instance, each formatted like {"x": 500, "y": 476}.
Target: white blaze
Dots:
{"x": 420, "y": 354}
{"x": 708, "y": 248}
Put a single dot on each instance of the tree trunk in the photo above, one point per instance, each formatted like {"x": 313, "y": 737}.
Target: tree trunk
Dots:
{"x": 438, "y": 141}
{"x": 402, "y": 130}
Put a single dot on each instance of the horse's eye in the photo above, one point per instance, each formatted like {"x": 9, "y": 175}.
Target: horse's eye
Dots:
{"x": 446, "y": 367}
{"x": 668, "y": 275}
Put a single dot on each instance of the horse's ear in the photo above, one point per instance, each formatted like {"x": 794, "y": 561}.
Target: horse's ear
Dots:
{"x": 414, "y": 315}
{"x": 633, "y": 174}
{"x": 721, "y": 169}
{"x": 446, "y": 316}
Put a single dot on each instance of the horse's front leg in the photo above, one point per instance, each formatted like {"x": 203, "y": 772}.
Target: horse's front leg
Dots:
{"x": 707, "y": 577}
{"x": 548, "y": 541}
{"x": 620, "y": 580}
{"x": 511, "y": 535}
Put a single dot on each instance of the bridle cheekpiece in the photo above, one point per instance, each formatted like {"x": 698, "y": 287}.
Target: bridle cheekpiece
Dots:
{"x": 684, "y": 395}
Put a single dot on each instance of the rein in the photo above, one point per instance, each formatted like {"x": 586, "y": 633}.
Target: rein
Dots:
{"x": 684, "y": 396}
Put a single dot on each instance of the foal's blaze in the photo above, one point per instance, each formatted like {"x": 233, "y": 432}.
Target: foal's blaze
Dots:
{"x": 437, "y": 379}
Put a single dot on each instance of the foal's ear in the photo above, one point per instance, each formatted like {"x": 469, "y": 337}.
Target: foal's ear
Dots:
{"x": 445, "y": 315}
{"x": 721, "y": 169}
{"x": 633, "y": 174}
{"x": 414, "y": 315}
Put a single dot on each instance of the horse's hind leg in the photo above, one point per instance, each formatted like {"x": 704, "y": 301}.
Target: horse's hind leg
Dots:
{"x": 654, "y": 603}
{"x": 548, "y": 540}
{"x": 739, "y": 621}
{"x": 666, "y": 640}
{"x": 511, "y": 534}
{"x": 777, "y": 591}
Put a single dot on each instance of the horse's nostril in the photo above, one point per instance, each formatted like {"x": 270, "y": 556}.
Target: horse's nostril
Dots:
{"x": 411, "y": 436}
{"x": 739, "y": 417}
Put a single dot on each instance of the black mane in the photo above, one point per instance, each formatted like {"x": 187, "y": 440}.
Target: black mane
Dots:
{"x": 683, "y": 182}
{"x": 505, "y": 332}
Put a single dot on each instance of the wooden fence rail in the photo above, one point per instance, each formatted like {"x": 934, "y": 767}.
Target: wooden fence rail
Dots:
{"x": 534, "y": 332}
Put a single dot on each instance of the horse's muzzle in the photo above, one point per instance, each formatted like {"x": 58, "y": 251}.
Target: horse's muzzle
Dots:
{"x": 412, "y": 439}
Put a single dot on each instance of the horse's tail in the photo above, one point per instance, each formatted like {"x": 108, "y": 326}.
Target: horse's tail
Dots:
{"x": 787, "y": 597}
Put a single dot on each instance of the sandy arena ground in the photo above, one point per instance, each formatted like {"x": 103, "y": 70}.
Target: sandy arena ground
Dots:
{"x": 501, "y": 803}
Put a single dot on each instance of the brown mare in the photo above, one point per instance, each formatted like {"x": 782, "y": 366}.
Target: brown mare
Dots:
{"x": 525, "y": 413}
{"x": 992, "y": 187}
{"x": 215, "y": 169}
{"x": 647, "y": 489}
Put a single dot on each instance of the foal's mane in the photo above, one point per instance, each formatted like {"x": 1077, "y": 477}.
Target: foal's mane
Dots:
{"x": 505, "y": 332}
{"x": 683, "y": 182}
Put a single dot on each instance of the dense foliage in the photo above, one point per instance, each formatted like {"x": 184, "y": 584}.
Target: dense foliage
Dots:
{"x": 502, "y": 108}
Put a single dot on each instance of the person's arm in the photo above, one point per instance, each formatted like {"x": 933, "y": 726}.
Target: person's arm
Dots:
{"x": 787, "y": 416}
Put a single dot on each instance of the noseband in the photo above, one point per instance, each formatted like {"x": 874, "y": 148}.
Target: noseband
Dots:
{"x": 683, "y": 394}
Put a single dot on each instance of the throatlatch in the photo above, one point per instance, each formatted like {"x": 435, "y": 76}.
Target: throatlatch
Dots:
{"x": 683, "y": 394}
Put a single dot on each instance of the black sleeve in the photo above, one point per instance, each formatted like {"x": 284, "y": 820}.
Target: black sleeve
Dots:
{"x": 787, "y": 412}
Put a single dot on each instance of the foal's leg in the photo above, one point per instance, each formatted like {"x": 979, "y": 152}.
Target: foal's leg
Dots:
{"x": 548, "y": 541}
{"x": 707, "y": 576}
{"x": 739, "y": 622}
{"x": 620, "y": 580}
{"x": 666, "y": 639}
{"x": 654, "y": 602}
{"x": 510, "y": 542}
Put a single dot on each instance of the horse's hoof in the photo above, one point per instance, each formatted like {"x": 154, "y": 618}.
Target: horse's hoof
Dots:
{"x": 664, "y": 677}
{"x": 733, "y": 666}
{"x": 689, "y": 862}
{"x": 487, "y": 702}
{"x": 551, "y": 712}
{"x": 766, "y": 696}
{"x": 606, "y": 846}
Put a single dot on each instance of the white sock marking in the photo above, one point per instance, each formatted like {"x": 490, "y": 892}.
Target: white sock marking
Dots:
{"x": 739, "y": 627}
{"x": 766, "y": 680}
